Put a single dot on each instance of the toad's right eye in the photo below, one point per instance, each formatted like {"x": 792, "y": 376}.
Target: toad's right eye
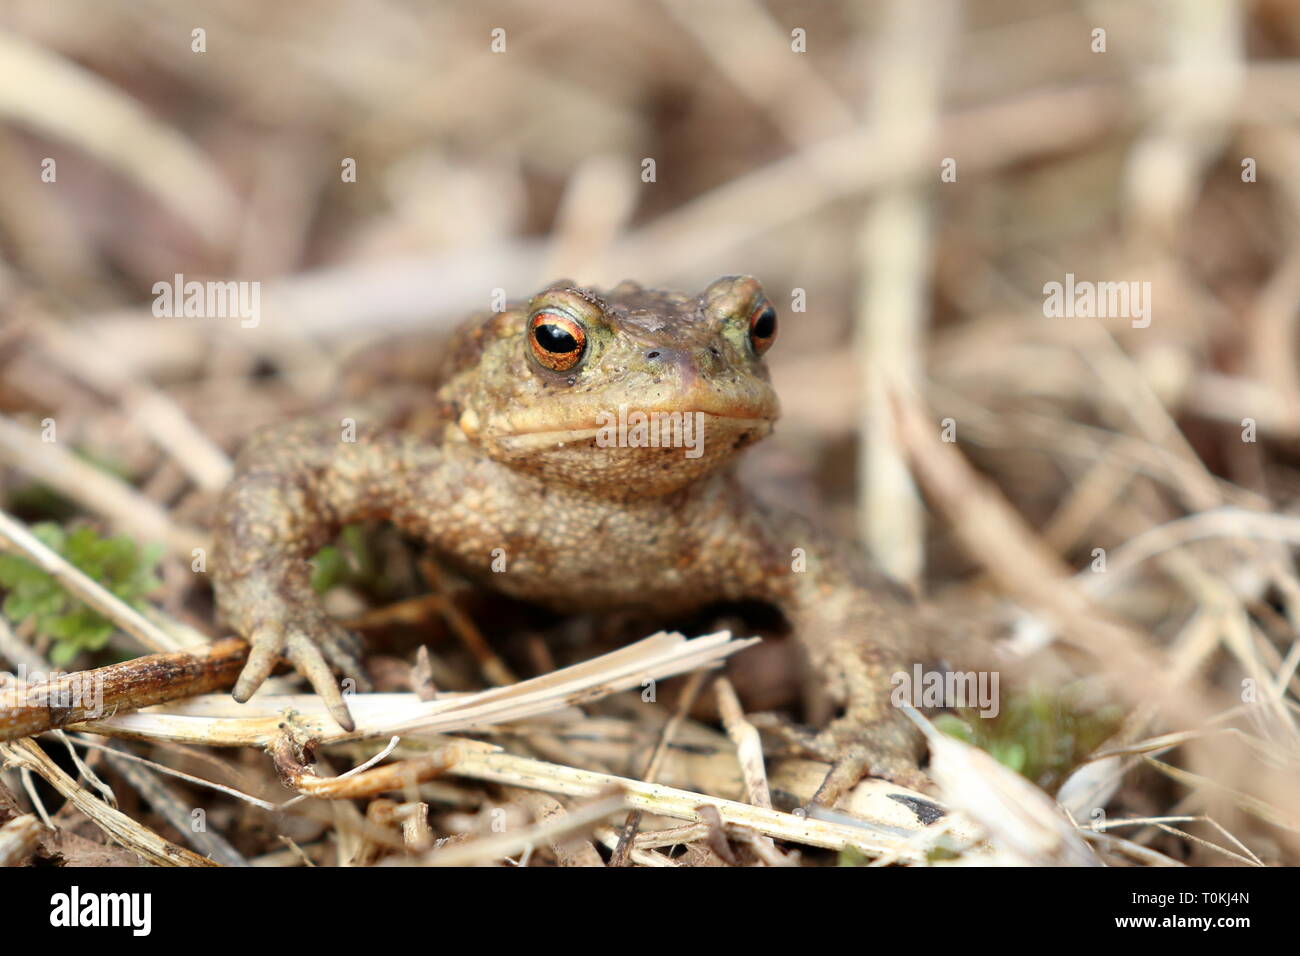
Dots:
{"x": 557, "y": 341}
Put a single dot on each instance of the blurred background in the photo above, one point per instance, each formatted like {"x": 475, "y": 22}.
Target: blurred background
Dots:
{"x": 903, "y": 177}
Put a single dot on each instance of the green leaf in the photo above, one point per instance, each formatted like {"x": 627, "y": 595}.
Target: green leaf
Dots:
{"x": 349, "y": 561}
{"x": 328, "y": 568}
{"x": 124, "y": 568}
{"x": 954, "y": 726}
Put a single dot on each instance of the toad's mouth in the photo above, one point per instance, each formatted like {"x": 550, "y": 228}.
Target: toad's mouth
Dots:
{"x": 630, "y": 428}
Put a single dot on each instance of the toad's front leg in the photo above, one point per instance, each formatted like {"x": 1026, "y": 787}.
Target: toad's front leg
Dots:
{"x": 295, "y": 487}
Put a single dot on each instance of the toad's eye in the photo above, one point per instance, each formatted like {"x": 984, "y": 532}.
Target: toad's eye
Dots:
{"x": 762, "y": 327}
{"x": 557, "y": 341}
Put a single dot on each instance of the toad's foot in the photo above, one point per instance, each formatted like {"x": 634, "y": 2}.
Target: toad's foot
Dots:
{"x": 856, "y": 746}
{"x": 289, "y": 621}
{"x": 856, "y": 750}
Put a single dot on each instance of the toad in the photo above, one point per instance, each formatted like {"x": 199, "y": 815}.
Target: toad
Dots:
{"x": 577, "y": 451}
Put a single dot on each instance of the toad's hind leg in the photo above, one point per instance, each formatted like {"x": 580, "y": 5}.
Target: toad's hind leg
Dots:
{"x": 859, "y": 631}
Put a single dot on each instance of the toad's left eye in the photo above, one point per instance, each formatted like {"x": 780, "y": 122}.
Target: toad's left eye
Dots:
{"x": 557, "y": 341}
{"x": 762, "y": 327}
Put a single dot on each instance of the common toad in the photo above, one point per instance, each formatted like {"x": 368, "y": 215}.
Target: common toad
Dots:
{"x": 511, "y": 449}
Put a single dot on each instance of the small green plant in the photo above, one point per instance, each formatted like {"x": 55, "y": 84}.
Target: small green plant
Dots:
{"x": 117, "y": 563}
{"x": 1039, "y": 734}
{"x": 347, "y": 562}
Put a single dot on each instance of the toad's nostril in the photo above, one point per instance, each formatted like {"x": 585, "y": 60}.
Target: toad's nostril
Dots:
{"x": 678, "y": 363}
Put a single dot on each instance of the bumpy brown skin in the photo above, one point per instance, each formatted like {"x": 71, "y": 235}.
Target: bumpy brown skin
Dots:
{"x": 483, "y": 451}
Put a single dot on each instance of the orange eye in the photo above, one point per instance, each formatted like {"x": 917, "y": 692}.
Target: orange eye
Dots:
{"x": 558, "y": 342}
{"x": 762, "y": 327}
